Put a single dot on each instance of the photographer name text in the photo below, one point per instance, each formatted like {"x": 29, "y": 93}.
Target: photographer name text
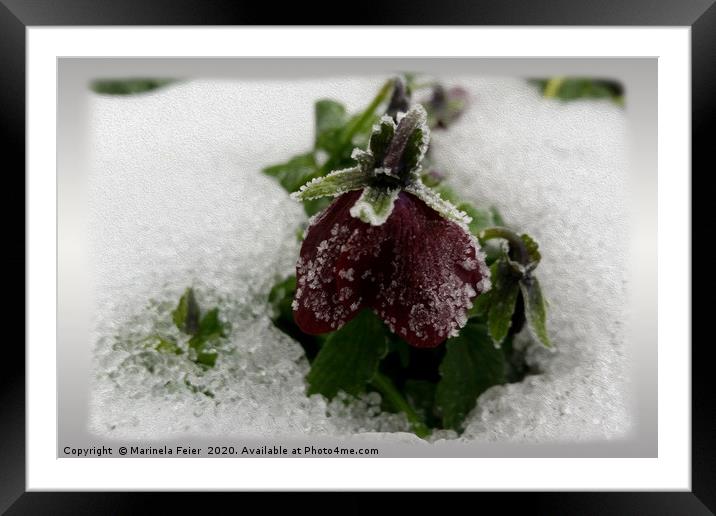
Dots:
{"x": 225, "y": 451}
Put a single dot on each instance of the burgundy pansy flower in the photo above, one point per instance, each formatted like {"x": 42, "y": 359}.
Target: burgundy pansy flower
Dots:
{"x": 389, "y": 243}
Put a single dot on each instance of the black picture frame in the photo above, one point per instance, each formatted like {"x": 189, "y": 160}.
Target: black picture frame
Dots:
{"x": 17, "y": 15}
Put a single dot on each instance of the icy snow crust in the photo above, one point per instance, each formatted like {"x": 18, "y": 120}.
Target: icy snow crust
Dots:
{"x": 177, "y": 199}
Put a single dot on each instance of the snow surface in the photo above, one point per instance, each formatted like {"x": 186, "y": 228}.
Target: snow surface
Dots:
{"x": 177, "y": 199}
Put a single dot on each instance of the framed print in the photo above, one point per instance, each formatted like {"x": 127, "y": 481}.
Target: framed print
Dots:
{"x": 259, "y": 262}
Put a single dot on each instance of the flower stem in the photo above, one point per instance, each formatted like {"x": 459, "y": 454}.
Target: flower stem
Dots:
{"x": 516, "y": 243}
{"x": 367, "y": 114}
{"x": 356, "y": 125}
{"x": 383, "y": 384}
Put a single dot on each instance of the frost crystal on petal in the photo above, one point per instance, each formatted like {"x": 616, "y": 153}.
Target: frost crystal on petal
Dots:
{"x": 418, "y": 270}
{"x": 320, "y": 306}
{"x": 429, "y": 291}
{"x": 437, "y": 203}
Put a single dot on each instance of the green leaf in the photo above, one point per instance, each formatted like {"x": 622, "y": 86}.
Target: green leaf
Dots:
{"x": 532, "y": 249}
{"x": 210, "y": 325}
{"x": 349, "y": 358}
{"x": 329, "y": 115}
{"x": 330, "y": 121}
{"x": 313, "y": 206}
{"x": 572, "y": 88}
{"x": 295, "y": 172}
{"x": 375, "y": 205}
{"x": 416, "y": 147}
{"x": 364, "y": 159}
{"x": 335, "y": 183}
{"x": 471, "y": 366}
{"x": 421, "y": 396}
{"x": 503, "y": 299}
{"x": 361, "y": 123}
{"x": 535, "y": 309}
{"x": 381, "y": 137}
{"x": 481, "y": 305}
{"x": 167, "y": 346}
{"x": 409, "y": 143}
{"x": 210, "y": 329}
{"x": 401, "y": 348}
{"x": 497, "y": 217}
{"x": 447, "y": 193}
{"x": 186, "y": 314}
{"x": 127, "y": 86}
{"x": 481, "y": 219}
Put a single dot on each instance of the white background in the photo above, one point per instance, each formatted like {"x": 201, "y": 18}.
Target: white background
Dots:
{"x": 671, "y": 470}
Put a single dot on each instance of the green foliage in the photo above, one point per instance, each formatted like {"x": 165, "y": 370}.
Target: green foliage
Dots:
{"x": 127, "y": 86}
{"x": 167, "y": 345}
{"x": 471, "y": 366}
{"x": 503, "y": 300}
{"x": 434, "y": 388}
{"x": 481, "y": 217}
{"x": 331, "y": 118}
{"x": 421, "y": 396}
{"x": 210, "y": 328}
{"x": 336, "y": 135}
{"x": 295, "y": 172}
{"x": 186, "y": 314}
{"x": 349, "y": 359}
{"x": 380, "y": 139}
{"x": 204, "y": 332}
{"x": 535, "y": 310}
{"x": 573, "y": 88}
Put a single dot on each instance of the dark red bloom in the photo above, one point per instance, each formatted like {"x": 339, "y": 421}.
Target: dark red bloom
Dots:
{"x": 419, "y": 271}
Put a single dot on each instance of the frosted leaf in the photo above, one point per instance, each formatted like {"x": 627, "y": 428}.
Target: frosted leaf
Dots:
{"x": 364, "y": 158}
{"x": 535, "y": 310}
{"x": 375, "y": 205}
{"x": 410, "y": 141}
{"x": 333, "y": 184}
{"x": 437, "y": 203}
{"x": 381, "y": 137}
{"x": 415, "y": 149}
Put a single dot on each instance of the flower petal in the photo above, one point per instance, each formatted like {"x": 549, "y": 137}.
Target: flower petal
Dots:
{"x": 419, "y": 271}
{"x": 363, "y": 264}
{"x": 436, "y": 269}
{"x": 437, "y": 203}
{"x": 319, "y": 305}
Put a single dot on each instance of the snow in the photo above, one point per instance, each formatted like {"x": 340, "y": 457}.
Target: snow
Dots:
{"x": 177, "y": 200}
